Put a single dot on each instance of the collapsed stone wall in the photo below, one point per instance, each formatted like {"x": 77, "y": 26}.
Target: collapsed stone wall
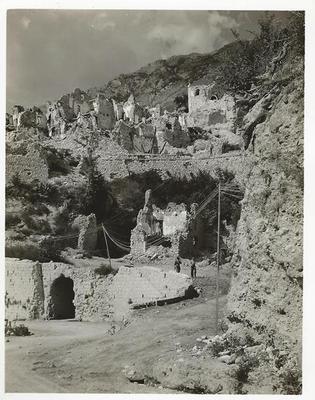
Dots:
{"x": 87, "y": 227}
{"x": 23, "y": 289}
{"x": 135, "y": 287}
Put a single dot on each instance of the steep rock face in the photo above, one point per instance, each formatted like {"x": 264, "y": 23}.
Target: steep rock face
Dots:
{"x": 266, "y": 292}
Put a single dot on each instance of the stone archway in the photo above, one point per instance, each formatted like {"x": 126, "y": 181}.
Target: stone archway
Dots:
{"x": 61, "y": 299}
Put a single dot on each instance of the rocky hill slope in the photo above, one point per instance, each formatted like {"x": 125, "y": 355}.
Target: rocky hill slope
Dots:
{"x": 161, "y": 81}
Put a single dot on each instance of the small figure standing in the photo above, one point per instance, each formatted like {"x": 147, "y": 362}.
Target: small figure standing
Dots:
{"x": 177, "y": 264}
{"x": 193, "y": 269}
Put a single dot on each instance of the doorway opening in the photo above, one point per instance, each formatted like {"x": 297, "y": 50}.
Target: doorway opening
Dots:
{"x": 61, "y": 299}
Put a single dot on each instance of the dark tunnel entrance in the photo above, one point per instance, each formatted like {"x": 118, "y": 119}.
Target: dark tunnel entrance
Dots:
{"x": 61, "y": 299}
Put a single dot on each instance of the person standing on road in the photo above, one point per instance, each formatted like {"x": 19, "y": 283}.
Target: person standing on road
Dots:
{"x": 177, "y": 264}
{"x": 193, "y": 269}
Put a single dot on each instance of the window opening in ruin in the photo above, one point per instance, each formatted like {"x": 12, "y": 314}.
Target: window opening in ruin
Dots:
{"x": 197, "y": 92}
{"x": 168, "y": 125}
{"x": 61, "y": 299}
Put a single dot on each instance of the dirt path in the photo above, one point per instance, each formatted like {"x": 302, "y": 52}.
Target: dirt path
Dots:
{"x": 72, "y": 356}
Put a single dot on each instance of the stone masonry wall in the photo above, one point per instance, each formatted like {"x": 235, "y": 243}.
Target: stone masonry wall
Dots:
{"x": 96, "y": 296}
{"x": 91, "y": 299}
{"x": 23, "y": 289}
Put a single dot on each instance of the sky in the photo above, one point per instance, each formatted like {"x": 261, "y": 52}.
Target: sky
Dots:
{"x": 51, "y": 52}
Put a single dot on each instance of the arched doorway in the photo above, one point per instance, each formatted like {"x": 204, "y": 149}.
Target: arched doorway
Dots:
{"x": 61, "y": 299}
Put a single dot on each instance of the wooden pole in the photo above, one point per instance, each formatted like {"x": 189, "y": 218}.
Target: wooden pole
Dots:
{"x": 107, "y": 249}
{"x": 218, "y": 264}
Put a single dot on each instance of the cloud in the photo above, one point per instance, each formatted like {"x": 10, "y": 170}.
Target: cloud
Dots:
{"x": 184, "y": 35}
{"x": 25, "y": 21}
{"x": 220, "y": 24}
{"x": 102, "y": 22}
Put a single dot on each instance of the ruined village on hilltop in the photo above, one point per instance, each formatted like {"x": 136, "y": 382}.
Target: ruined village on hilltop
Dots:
{"x": 159, "y": 243}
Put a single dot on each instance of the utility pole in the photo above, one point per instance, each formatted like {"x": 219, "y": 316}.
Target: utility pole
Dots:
{"x": 107, "y": 249}
{"x": 218, "y": 263}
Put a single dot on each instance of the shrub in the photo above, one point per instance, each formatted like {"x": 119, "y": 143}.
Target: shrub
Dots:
{"x": 105, "y": 269}
{"x": 16, "y": 330}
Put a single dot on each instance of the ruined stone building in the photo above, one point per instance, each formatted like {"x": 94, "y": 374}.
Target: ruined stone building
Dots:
{"x": 133, "y": 112}
{"x": 118, "y": 110}
{"x": 16, "y": 115}
{"x": 208, "y": 105}
{"x": 103, "y": 115}
{"x": 176, "y": 224}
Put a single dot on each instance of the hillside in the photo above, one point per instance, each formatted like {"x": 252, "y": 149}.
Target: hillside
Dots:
{"x": 161, "y": 81}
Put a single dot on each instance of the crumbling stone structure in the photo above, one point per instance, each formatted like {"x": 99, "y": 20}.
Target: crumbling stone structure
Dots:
{"x": 103, "y": 116}
{"x": 16, "y": 115}
{"x": 174, "y": 223}
{"x": 118, "y": 110}
{"x": 63, "y": 291}
{"x": 132, "y": 110}
{"x": 208, "y": 106}
{"x": 87, "y": 226}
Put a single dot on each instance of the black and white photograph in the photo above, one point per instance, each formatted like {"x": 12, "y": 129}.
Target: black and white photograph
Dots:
{"x": 154, "y": 201}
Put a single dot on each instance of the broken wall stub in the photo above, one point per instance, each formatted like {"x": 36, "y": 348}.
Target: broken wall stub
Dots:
{"x": 118, "y": 110}
{"x": 87, "y": 226}
{"x": 17, "y": 111}
{"x": 24, "y": 295}
{"x": 129, "y": 108}
{"x": 138, "y": 241}
{"x": 137, "y": 287}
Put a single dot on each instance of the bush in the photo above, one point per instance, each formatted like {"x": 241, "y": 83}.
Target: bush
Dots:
{"x": 105, "y": 269}
{"x": 16, "y": 330}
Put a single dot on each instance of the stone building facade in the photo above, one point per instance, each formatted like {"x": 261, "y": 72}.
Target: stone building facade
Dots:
{"x": 209, "y": 106}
